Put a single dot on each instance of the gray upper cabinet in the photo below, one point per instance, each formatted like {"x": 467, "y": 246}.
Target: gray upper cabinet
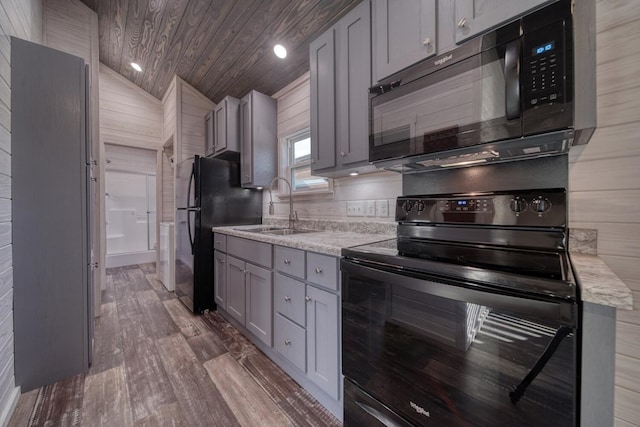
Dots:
{"x": 476, "y": 16}
{"x": 340, "y": 69}
{"x": 209, "y": 144}
{"x": 226, "y": 124}
{"x": 258, "y": 139}
{"x": 404, "y": 32}
{"x": 322, "y": 71}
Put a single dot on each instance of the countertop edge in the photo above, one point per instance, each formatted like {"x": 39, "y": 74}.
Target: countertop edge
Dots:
{"x": 598, "y": 284}
{"x": 323, "y": 241}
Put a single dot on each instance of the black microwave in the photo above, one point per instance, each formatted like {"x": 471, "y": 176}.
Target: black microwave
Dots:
{"x": 526, "y": 89}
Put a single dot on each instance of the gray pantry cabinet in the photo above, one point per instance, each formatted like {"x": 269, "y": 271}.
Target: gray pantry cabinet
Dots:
{"x": 226, "y": 128}
{"x": 258, "y": 140}
{"x": 473, "y": 17}
{"x": 340, "y": 73}
{"x": 303, "y": 302}
{"x": 404, "y": 32}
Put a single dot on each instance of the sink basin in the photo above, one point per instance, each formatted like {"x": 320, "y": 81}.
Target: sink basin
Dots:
{"x": 261, "y": 229}
{"x": 287, "y": 232}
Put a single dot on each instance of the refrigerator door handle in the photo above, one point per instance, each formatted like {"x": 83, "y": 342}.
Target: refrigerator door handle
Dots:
{"x": 189, "y": 229}
{"x": 191, "y": 179}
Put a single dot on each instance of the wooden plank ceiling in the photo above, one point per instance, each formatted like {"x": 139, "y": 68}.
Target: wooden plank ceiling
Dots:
{"x": 221, "y": 47}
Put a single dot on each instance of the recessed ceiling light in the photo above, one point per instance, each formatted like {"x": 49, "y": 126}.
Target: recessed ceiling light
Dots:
{"x": 354, "y": 174}
{"x": 280, "y": 51}
{"x": 136, "y": 67}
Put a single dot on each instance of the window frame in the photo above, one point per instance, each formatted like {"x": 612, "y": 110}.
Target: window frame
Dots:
{"x": 286, "y": 166}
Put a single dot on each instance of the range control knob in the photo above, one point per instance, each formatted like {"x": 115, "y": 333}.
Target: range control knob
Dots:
{"x": 518, "y": 205}
{"x": 421, "y": 206}
{"x": 407, "y": 206}
{"x": 540, "y": 205}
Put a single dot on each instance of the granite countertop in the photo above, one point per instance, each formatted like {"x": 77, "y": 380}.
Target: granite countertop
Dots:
{"x": 598, "y": 284}
{"x": 325, "y": 242}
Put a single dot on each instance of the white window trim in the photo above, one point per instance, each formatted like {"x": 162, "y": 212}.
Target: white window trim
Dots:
{"x": 282, "y": 192}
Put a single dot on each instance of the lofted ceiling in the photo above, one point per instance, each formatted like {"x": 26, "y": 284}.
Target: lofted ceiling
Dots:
{"x": 220, "y": 47}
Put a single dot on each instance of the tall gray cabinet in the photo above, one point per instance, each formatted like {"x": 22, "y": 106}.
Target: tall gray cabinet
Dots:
{"x": 51, "y": 187}
{"x": 340, "y": 73}
{"x": 258, "y": 139}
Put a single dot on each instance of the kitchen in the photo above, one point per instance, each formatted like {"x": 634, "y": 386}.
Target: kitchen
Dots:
{"x": 602, "y": 178}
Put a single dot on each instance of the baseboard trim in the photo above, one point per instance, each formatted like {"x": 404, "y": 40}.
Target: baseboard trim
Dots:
{"x": 130, "y": 258}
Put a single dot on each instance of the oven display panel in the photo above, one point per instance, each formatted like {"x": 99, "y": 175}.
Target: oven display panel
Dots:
{"x": 465, "y": 205}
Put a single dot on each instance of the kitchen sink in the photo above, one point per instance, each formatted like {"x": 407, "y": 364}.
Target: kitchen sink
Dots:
{"x": 287, "y": 232}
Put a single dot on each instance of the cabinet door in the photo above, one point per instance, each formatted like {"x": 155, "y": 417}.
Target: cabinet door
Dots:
{"x": 236, "y": 288}
{"x": 209, "y": 139}
{"x": 323, "y": 338}
{"x": 246, "y": 141}
{"x": 476, "y": 16}
{"x": 352, "y": 85}
{"x": 404, "y": 33}
{"x": 220, "y": 279}
{"x": 259, "y": 302}
{"x": 220, "y": 127}
{"x": 323, "y": 102}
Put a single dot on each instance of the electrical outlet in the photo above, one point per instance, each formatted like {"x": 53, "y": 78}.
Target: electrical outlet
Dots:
{"x": 355, "y": 208}
{"x": 382, "y": 208}
{"x": 370, "y": 208}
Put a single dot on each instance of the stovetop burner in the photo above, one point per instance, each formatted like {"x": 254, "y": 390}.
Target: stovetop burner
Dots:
{"x": 507, "y": 240}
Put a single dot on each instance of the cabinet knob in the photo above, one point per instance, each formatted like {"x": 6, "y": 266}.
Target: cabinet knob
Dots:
{"x": 462, "y": 23}
{"x": 247, "y": 176}
{"x": 426, "y": 41}
{"x": 287, "y": 261}
{"x": 245, "y": 271}
{"x": 287, "y": 298}
{"x": 313, "y": 160}
{"x": 342, "y": 154}
{"x": 307, "y": 299}
{"x": 287, "y": 342}
{"x": 221, "y": 261}
{"x": 318, "y": 270}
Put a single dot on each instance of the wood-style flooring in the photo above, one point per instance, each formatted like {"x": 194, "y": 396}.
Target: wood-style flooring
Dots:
{"x": 156, "y": 364}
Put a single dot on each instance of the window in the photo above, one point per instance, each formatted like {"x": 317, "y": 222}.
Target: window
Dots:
{"x": 298, "y": 161}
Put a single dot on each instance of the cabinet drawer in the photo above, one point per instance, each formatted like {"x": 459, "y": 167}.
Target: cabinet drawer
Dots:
{"x": 322, "y": 270}
{"x": 290, "y": 341}
{"x": 289, "y": 298}
{"x": 288, "y": 260}
{"x": 220, "y": 242}
{"x": 256, "y": 252}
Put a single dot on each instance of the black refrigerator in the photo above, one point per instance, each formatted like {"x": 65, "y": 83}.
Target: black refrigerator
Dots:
{"x": 208, "y": 194}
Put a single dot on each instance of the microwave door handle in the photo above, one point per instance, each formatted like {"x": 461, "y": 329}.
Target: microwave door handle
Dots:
{"x": 512, "y": 80}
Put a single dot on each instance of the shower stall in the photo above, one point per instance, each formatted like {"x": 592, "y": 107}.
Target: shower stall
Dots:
{"x": 131, "y": 217}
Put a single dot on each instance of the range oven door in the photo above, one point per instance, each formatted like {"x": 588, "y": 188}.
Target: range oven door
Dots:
{"x": 439, "y": 354}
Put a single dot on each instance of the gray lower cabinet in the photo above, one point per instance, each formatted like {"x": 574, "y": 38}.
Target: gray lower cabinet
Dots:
{"x": 340, "y": 73}
{"x": 220, "y": 279}
{"x": 236, "y": 295}
{"x": 259, "y": 302}
{"x": 323, "y": 357}
{"x": 258, "y": 140}
{"x": 473, "y": 17}
{"x": 404, "y": 32}
{"x": 290, "y": 341}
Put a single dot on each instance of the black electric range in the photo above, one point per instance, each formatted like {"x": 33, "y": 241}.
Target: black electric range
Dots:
{"x": 469, "y": 317}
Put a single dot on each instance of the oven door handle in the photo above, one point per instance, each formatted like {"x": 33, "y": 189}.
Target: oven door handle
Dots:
{"x": 564, "y": 313}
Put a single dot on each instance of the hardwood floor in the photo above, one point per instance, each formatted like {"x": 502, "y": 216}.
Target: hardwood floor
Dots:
{"x": 156, "y": 364}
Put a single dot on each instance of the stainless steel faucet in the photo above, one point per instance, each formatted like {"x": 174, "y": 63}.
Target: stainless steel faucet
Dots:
{"x": 293, "y": 215}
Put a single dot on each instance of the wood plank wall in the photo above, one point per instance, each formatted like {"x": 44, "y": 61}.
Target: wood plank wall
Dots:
{"x": 128, "y": 115}
{"x": 193, "y": 106}
{"x": 130, "y": 159}
{"x": 604, "y": 182}
{"x": 23, "y": 19}
{"x": 294, "y": 115}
